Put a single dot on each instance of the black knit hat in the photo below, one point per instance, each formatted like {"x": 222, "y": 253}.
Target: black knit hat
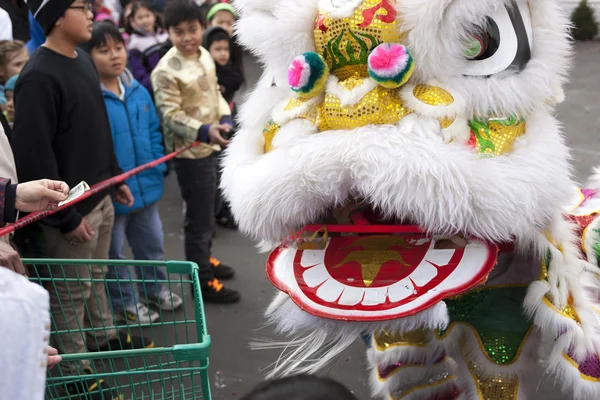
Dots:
{"x": 47, "y": 12}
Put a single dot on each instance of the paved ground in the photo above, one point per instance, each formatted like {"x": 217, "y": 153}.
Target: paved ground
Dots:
{"x": 235, "y": 368}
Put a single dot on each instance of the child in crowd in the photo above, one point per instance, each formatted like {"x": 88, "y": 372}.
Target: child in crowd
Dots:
{"x": 224, "y": 15}
{"x": 9, "y": 90}
{"x": 188, "y": 97}
{"x": 146, "y": 38}
{"x": 13, "y": 56}
{"x": 103, "y": 13}
{"x": 300, "y": 387}
{"x": 137, "y": 139}
{"x": 217, "y": 42}
{"x": 62, "y": 132}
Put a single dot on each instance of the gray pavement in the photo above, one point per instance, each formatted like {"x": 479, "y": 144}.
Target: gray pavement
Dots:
{"x": 235, "y": 369}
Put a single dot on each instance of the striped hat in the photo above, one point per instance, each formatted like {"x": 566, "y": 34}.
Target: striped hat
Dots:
{"x": 47, "y": 12}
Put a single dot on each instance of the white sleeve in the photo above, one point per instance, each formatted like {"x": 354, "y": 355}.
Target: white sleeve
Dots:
{"x": 24, "y": 332}
{"x": 5, "y": 26}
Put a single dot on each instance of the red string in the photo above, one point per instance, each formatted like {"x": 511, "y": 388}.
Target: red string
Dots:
{"x": 95, "y": 189}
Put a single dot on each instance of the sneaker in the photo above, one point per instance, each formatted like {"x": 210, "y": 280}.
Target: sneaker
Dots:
{"x": 92, "y": 388}
{"x": 221, "y": 271}
{"x": 137, "y": 313}
{"x": 214, "y": 292}
{"x": 166, "y": 300}
{"x": 124, "y": 341}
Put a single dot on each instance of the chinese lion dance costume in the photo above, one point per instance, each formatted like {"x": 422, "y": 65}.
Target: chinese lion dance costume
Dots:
{"x": 402, "y": 161}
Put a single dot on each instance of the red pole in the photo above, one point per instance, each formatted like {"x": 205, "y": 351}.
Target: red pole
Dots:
{"x": 97, "y": 188}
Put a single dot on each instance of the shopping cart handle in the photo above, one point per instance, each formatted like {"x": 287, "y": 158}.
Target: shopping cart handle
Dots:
{"x": 192, "y": 352}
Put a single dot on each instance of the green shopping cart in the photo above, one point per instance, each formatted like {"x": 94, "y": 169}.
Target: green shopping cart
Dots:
{"x": 172, "y": 365}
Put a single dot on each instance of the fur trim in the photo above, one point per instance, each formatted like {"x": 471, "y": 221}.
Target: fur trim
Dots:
{"x": 322, "y": 339}
{"x": 349, "y": 97}
{"x": 410, "y": 376}
{"x": 572, "y": 383}
{"x": 277, "y": 32}
{"x": 281, "y": 116}
{"x": 397, "y": 169}
{"x": 337, "y": 8}
{"x": 438, "y": 390}
{"x": 292, "y": 131}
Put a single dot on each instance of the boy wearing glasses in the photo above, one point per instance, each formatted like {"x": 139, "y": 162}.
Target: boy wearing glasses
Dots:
{"x": 64, "y": 134}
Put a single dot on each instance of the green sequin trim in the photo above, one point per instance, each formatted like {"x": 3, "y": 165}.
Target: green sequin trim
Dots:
{"x": 596, "y": 246}
{"x": 497, "y": 316}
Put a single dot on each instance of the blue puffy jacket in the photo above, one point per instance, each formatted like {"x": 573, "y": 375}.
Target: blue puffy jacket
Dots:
{"x": 137, "y": 138}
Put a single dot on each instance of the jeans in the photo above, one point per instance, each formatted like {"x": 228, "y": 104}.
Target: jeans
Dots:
{"x": 198, "y": 184}
{"x": 143, "y": 230}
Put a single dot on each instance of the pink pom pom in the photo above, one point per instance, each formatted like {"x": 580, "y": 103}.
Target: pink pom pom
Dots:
{"x": 391, "y": 65}
{"x": 388, "y": 60}
{"x": 298, "y": 73}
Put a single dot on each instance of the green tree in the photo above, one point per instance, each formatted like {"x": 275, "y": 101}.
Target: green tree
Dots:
{"x": 585, "y": 26}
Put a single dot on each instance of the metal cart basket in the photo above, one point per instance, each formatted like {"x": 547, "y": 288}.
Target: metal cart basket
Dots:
{"x": 173, "y": 364}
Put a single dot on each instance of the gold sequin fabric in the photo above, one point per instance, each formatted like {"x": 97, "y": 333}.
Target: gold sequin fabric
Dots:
{"x": 345, "y": 43}
{"x": 446, "y": 122}
{"x": 433, "y": 95}
{"x": 269, "y": 134}
{"x": 500, "y": 387}
{"x": 496, "y": 136}
{"x": 379, "y": 106}
{"x": 386, "y": 340}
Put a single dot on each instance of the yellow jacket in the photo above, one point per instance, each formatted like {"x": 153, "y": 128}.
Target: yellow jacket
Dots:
{"x": 187, "y": 97}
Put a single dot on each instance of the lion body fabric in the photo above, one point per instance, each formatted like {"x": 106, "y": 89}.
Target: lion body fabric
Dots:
{"x": 434, "y": 114}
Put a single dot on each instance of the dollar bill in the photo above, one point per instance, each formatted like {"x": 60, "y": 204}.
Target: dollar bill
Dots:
{"x": 75, "y": 192}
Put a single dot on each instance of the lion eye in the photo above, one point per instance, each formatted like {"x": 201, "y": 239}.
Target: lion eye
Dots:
{"x": 477, "y": 45}
{"x": 503, "y": 44}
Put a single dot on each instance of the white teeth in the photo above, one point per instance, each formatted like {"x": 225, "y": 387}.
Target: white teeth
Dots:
{"x": 315, "y": 276}
{"x": 330, "y": 291}
{"x": 351, "y": 296}
{"x": 401, "y": 290}
{"x": 440, "y": 257}
{"x": 311, "y": 257}
{"x": 375, "y": 296}
{"x": 424, "y": 273}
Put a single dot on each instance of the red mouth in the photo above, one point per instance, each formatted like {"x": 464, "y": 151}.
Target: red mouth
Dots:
{"x": 376, "y": 262}
{"x": 390, "y": 272}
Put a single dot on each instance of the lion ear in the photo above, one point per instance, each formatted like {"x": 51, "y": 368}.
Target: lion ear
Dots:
{"x": 277, "y": 31}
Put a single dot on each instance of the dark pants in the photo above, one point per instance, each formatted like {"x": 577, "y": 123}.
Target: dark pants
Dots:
{"x": 198, "y": 184}
{"x": 222, "y": 210}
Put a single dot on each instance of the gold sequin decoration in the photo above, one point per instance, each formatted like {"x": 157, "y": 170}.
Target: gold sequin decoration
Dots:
{"x": 295, "y": 102}
{"x": 446, "y": 122}
{"x": 346, "y": 42}
{"x": 269, "y": 134}
{"x": 385, "y": 340}
{"x": 496, "y": 136}
{"x": 504, "y": 136}
{"x": 433, "y": 95}
{"x": 379, "y": 106}
{"x": 500, "y": 387}
{"x": 352, "y": 82}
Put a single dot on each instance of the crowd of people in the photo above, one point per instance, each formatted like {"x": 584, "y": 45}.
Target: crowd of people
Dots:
{"x": 94, "y": 89}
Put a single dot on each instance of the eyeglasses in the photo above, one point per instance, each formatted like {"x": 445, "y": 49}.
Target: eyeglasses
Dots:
{"x": 87, "y": 7}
